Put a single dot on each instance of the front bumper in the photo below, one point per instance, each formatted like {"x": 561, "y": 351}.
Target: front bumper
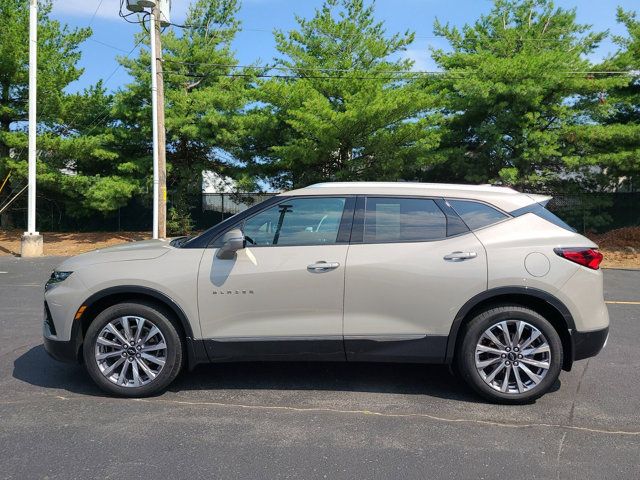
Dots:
{"x": 62, "y": 350}
{"x": 588, "y": 344}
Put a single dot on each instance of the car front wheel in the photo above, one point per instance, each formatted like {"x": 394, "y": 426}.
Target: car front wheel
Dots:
{"x": 510, "y": 354}
{"x": 133, "y": 349}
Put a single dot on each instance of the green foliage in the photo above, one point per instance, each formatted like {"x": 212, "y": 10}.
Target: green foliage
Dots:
{"x": 508, "y": 89}
{"x": 608, "y": 144}
{"x": 513, "y": 105}
{"x": 179, "y": 221}
{"x": 204, "y": 106}
{"x": 346, "y": 113}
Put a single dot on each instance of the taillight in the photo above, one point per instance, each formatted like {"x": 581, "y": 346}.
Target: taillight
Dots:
{"x": 587, "y": 257}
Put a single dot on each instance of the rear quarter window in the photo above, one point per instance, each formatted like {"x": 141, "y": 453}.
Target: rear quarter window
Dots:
{"x": 475, "y": 214}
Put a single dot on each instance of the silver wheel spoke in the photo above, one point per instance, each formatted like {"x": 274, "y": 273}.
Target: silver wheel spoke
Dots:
{"x": 493, "y": 374}
{"x": 108, "y": 371}
{"x": 151, "y": 358}
{"x": 139, "y": 326}
{"x": 535, "y": 363}
{"x": 533, "y": 351}
{"x": 505, "y": 333}
{"x": 494, "y": 339}
{"x": 505, "y": 382}
{"x": 486, "y": 363}
{"x": 154, "y": 330}
{"x": 535, "y": 378}
{"x": 519, "y": 329}
{"x": 485, "y": 349}
{"x": 151, "y": 348}
{"x": 102, "y": 356}
{"x": 117, "y": 334}
{"x": 126, "y": 328}
{"x": 136, "y": 374}
{"x": 122, "y": 378}
{"x": 535, "y": 334}
{"x": 108, "y": 343}
{"x": 145, "y": 368}
{"x": 516, "y": 373}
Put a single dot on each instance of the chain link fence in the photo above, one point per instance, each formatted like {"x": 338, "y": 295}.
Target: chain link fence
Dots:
{"x": 587, "y": 212}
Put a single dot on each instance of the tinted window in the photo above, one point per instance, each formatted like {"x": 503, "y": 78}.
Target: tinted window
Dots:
{"x": 542, "y": 212}
{"x": 302, "y": 221}
{"x": 403, "y": 220}
{"x": 476, "y": 215}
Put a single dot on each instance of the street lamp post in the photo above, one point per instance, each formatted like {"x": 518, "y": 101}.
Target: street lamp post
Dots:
{"x": 31, "y": 244}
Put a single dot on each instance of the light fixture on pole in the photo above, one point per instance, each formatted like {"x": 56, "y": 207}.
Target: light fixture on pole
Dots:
{"x": 31, "y": 244}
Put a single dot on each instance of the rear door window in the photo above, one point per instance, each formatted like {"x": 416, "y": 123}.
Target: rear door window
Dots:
{"x": 475, "y": 214}
{"x": 403, "y": 220}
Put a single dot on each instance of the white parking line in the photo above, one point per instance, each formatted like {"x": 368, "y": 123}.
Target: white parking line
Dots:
{"x": 620, "y": 302}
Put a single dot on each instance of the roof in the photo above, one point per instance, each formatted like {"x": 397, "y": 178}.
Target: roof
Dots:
{"x": 504, "y": 198}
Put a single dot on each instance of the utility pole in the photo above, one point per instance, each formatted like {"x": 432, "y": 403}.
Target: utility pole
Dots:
{"x": 31, "y": 244}
{"x": 159, "y": 15}
{"x": 161, "y": 132}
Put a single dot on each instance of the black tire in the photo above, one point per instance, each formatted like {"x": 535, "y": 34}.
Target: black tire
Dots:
{"x": 163, "y": 321}
{"x": 466, "y": 359}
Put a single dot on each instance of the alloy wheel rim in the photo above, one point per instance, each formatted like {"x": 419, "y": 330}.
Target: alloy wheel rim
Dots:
{"x": 512, "y": 356}
{"x": 130, "y": 351}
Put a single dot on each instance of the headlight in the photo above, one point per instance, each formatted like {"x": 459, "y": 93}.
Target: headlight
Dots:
{"x": 57, "y": 277}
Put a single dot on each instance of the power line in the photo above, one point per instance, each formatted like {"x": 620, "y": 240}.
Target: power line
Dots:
{"x": 392, "y": 74}
{"x": 95, "y": 13}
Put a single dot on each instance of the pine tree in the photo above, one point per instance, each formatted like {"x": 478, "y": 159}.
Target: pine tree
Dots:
{"x": 343, "y": 107}
{"x": 510, "y": 84}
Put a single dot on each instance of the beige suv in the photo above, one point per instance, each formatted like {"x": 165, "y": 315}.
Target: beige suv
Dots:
{"x": 481, "y": 277}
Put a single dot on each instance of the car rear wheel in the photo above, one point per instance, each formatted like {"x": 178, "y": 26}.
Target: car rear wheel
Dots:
{"x": 510, "y": 354}
{"x": 133, "y": 349}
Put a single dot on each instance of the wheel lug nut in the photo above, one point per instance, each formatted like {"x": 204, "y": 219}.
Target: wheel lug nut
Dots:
{"x": 124, "y": 354}
{"x": 138, "y": 355}
{"x": 507, "y": 362}
{"x": 504, "y": 355}
{"x": 516, "y": 349}
{"x": 520, "y": 355}
{"x": 508, "y": 349}
{"x": 131, "y": 359}
{"x": 139, "y": 347}
{"x": 515, "y": 363}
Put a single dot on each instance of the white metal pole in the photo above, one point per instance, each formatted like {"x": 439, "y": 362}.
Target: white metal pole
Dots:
{"x": 33, "y": 75}
{"x": 154, "y": 108}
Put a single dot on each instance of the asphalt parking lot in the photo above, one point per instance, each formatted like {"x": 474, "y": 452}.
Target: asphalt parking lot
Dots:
{"x": 311, "y": 420}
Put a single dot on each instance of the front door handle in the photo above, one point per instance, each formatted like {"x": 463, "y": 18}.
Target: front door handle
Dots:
{"x": 460, "y": 256}
{"x": 322, "y": 266}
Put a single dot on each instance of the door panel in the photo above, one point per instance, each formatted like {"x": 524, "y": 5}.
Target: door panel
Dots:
{"x": 399, "y": 289}
{"x": 287, "y": 284}
{"x": 269, "y": 292}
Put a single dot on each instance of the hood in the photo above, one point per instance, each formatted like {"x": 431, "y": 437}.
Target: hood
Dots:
{"x": 143, "y": 250}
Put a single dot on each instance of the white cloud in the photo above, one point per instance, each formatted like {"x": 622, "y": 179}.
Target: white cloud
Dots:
{"x": 86, "y": 8}
{"x": 108, "y": 9}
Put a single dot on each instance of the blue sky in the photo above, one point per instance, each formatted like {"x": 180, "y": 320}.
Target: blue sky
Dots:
{"x": 112, "y": 36}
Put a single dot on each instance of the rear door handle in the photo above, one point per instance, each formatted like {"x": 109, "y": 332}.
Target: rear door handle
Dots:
{"x": 460, "y": 256}
{"x": 322, "y": 266}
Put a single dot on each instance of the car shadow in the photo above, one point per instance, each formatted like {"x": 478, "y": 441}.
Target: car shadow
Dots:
{"x": 37, "y": 368}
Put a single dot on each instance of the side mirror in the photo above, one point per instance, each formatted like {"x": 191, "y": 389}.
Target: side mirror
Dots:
{"x": 232, "y": 241}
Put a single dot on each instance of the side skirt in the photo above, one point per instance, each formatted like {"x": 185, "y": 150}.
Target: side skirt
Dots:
{"x": 395, "y": 349}
{"x": 248, "y": 349}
